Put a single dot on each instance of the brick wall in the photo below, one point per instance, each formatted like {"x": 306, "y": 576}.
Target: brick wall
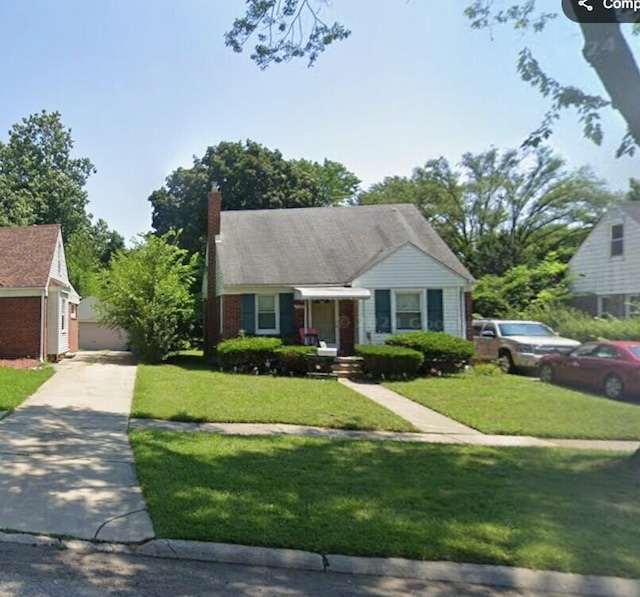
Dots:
{"x": 231, "y": 315}
{"x": 347, "y": 325}
{"x": 20, "y": 327}
{"x": 468, "y": 314}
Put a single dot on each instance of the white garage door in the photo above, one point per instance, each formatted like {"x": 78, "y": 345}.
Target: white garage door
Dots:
{"x": 93, "y": 336}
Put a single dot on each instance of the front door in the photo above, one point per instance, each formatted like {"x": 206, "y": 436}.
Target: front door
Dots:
{"x": 324, "y": 320}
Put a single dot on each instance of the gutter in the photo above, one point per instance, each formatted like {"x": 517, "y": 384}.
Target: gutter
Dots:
{"x": 42, "y": 324}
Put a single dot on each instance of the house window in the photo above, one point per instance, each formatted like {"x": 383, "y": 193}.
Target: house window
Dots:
{"x": 267, "y": 313}
{"x": 617, "y": 240}
{"x": 408, "y": 311}
{"x": 63, "y": 318}
{"x": 73, "y": 311}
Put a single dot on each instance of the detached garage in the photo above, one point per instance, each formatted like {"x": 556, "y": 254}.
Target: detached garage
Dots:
{"x": 93, "y": 335}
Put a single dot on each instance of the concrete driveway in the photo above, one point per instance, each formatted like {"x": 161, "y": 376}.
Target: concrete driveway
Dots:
{"x": 67, "y": 467}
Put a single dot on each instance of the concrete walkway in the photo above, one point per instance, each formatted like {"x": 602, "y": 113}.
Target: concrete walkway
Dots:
{"x": 434, "y": 427}
{"x": 67, "y": 467}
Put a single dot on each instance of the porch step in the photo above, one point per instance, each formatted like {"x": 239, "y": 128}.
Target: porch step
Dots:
{"x": 314, "y": 375}
{"x": 347, "y": 366}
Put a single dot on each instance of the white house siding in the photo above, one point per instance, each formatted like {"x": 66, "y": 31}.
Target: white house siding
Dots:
{"x": 58, "y": 269}
{"x": 58, "y": 339}
{"x": 596, "y": 272}
{"x": 410, "y": 268}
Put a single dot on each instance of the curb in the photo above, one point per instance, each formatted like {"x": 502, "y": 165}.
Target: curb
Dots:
{"x": 542, "y": 581}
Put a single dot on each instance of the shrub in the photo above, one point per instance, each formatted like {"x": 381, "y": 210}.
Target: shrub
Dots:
{"x": 443, "y": 354}
{"x": 389, "y": 362}
{"x": 248, "y": 354}
{"x": 485, "y": 370}
{"x": 293, "y": 359}
{"x": 574, "y": 323}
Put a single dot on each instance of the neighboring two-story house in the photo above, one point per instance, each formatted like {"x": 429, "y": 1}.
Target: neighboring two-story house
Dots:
{"x": 606, "y": 267}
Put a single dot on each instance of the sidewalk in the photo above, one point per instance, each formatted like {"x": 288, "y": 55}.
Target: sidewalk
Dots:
{"x": 434, "y": 427}
{"x": 67, "y": 467}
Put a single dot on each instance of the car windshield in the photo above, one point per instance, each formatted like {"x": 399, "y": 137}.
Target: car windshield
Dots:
{"x": 635, "y": 351}
{"x": 525, "y": 329}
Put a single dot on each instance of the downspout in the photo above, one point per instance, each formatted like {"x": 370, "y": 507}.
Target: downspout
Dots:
{"x": 42, "y": 324}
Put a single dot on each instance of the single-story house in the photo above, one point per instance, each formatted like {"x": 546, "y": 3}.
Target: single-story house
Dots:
{"x": 606, "y": 267}
{"x": 354, "y": 275}
{"x": 95, "y": 336}
{"x": 38, "y": 305}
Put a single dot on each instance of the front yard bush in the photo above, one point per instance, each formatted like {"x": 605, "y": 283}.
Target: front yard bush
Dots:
{"x": 579, "y": 325}
{"x": 443, "y": 354}
{"x": 293, "y": 359}
{"x": 248, "y": 355}
{"x": 389, "y": 362}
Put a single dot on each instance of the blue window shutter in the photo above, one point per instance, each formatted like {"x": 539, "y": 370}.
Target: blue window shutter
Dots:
{"x": 383, "y": 311}
{"x": 435, "y": 310}
{"x": 287, "y": 322}
{"x": 248, "y": 313}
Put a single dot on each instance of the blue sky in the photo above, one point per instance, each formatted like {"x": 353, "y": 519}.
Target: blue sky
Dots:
{"x": 146, "y": 84}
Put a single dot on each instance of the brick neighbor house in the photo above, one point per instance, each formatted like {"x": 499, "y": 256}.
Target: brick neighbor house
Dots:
{"x": 38, "y": 305}
{"x": 356, "y": 275}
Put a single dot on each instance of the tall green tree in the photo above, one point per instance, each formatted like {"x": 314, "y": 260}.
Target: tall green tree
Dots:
{"x": 250, "y": 176}
{"x": 147, "y": 293}
{"x": 89, "y": 251}
{"x": 336, "y": 184}
{"x": 40, "y": 181}
{"x": 497, "y": 210}
{"x": 282, "y": 30}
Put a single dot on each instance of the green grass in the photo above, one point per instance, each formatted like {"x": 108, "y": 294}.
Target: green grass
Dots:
{"x": 516, "y": 405}
{"x": 18, "y": 384}
{"x": 539, "y": 508}
{"x": 187, "y": 391}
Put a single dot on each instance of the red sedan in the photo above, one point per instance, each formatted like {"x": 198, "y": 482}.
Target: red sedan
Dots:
{"x": 610, "y": 367}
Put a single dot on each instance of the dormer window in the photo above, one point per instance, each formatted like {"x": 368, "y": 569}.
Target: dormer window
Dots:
{"x": 617, "y": 240}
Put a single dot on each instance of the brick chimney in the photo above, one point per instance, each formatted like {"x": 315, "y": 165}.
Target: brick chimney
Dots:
{"x": 212, "y": 310}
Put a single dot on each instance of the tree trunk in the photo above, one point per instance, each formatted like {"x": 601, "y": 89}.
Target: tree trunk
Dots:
{"x": 607, "y": 51}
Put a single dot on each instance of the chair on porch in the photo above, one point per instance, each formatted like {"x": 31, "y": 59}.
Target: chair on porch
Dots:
{"x": 308, "y": 336}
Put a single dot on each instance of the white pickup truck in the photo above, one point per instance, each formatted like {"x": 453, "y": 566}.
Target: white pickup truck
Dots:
{"x": 516, "y": 344}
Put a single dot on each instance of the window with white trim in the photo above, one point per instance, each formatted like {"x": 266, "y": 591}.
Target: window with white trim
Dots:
{"x": 63, "y": 318}
{"x": 267, "y": 314}
{"x": 408, "y": 310}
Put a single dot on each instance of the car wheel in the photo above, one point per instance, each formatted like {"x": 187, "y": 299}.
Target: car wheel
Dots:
{"x": 613, "y": 386}
{"x": 545, "y": 373}
{"x": 506, "y": 362}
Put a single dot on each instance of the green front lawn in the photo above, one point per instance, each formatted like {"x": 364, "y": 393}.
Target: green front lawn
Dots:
{"x": 516, "y": 405}
{"x": 18, "y": 384}
{"x": 190, "y": 392}
{"x": 533, "y": 507}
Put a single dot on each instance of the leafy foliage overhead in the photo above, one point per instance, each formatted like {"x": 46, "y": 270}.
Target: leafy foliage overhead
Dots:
{"x": 287, "y": 29}
{"x": 498, "y": 209}
{"x": 284, "y": 29}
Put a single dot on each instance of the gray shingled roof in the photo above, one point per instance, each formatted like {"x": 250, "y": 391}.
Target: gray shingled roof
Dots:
{"x": 26, "y": 253}
{"x": 321, "y": 245}
{"x": 632, "y": 209}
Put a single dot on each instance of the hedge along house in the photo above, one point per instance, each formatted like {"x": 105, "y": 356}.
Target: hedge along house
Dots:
{"x": 354, "y": 274}
{"x": 38, "y": 305}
